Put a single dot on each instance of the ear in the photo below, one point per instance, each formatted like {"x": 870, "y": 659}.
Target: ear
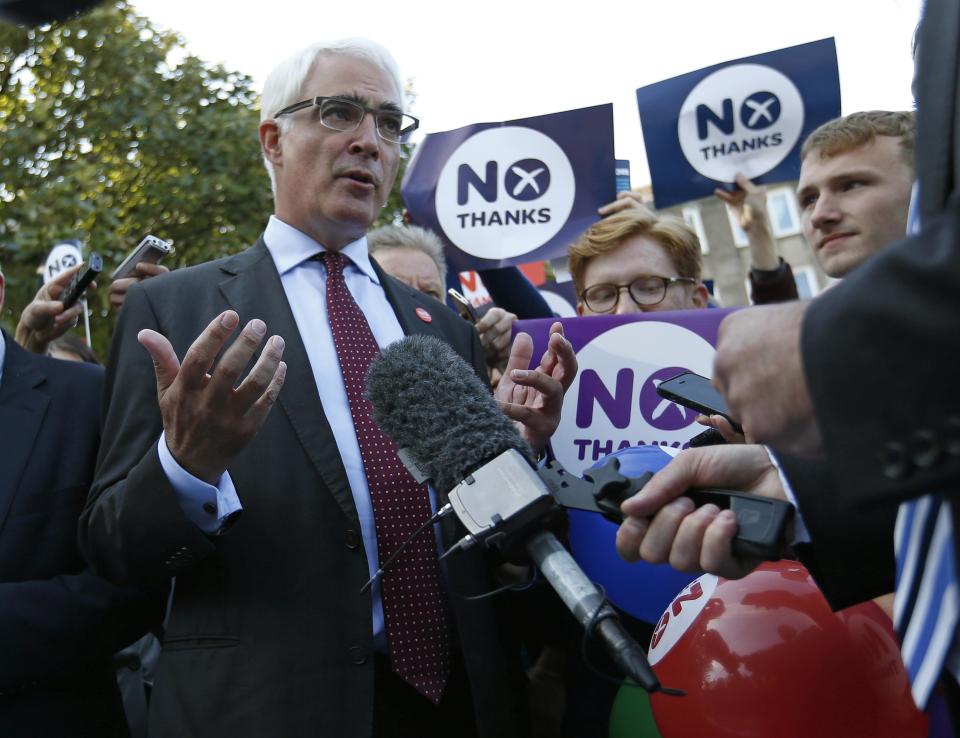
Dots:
{"x": 579, "y": 308}
{"x": 270, "y": 142}
{"x": 700, "y": 296}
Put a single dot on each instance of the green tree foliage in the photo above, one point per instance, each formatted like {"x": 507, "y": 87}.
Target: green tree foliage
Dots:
{"x": 109, "y": 130}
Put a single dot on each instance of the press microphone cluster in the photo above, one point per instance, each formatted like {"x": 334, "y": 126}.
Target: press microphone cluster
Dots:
{"x": 450, "y": 431}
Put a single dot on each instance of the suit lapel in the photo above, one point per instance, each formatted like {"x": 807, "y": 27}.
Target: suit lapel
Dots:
{"x": 22, "y": 408}
{"x": 252, "y": 287}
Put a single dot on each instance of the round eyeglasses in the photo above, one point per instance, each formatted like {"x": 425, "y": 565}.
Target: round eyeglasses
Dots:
{"x": 340, "y": 114}
{"x": 645, "y": 291}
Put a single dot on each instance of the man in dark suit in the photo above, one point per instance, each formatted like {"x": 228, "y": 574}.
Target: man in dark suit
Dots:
{"x": 59, "y": 623}
{"x": 268, "y": 631}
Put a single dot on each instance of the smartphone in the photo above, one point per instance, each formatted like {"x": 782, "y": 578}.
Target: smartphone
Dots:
{"x": 150, "y": 249}
{"x": 463, "y": 306}
{"x": 693, "y": 391}
{"x": 81, "y": 280}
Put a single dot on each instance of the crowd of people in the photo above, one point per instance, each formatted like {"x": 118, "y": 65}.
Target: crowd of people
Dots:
{"x": 202, "y": 515}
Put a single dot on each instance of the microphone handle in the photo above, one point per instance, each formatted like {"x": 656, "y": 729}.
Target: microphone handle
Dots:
{"x": 583, "y": 599}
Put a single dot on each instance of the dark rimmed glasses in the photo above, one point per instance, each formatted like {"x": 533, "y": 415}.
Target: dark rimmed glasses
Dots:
{"x": 340, "y": 114}
{"x": 646, "y": 290}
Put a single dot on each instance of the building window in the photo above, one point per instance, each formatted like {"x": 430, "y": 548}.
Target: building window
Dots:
{"x": 806, "y": 279}
{"x": 739, "y": 237}
{"x": 692, "y": 217}
{"x": 782, "y": 211}
{"x": 782, "y": 206}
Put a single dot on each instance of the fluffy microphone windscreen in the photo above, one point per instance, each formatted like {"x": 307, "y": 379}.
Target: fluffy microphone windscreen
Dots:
{"x": 430, "y": 401}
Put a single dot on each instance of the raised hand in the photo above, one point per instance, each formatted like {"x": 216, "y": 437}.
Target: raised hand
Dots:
{"x": 207, "y": 417}
{"x": 533, "y": 398}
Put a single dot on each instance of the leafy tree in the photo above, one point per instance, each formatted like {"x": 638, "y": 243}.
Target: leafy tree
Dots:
{"x": 109, "y": 130}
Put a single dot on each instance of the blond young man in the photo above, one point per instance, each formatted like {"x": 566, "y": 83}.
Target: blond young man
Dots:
{"x": 855, "y": 183}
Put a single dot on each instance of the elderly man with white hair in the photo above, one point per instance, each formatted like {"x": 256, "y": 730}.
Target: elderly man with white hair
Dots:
{"x": 271, "y": 519}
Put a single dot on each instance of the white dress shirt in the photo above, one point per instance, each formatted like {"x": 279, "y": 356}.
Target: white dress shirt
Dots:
{"x": 305, "y": 285}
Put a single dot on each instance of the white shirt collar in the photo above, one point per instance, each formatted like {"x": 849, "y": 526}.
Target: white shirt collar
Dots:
{"x": 290, "y": 247}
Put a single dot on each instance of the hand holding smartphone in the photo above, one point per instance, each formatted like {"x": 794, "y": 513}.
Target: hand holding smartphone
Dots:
{"x": 463, "y": 306}
{"x": 151, "y": 249}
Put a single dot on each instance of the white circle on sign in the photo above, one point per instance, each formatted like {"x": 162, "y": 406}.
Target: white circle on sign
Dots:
{"x": 752, "y": 116}
{"x": 680, "y": 615}
{"x": 612, "y": 403}
{"x": 63, "y": 256}
{"x": 505, "y": 192}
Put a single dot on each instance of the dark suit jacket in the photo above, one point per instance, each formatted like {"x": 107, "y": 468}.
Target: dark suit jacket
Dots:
{"x": 882, "y": 350}
{"x": 59, "y": 623}
{"x": 268, "y": 633}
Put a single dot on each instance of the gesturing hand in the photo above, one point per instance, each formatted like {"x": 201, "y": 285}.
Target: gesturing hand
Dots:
{"x": 533, "y": 398}
{"x": 207, "y": 418}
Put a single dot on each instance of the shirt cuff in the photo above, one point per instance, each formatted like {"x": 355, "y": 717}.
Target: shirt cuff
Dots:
{"x": 800, "y": 532}
{"x": 211, "y": 508}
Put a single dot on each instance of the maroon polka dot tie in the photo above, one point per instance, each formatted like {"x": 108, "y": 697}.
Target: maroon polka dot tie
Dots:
{"x": 418, "y": 631}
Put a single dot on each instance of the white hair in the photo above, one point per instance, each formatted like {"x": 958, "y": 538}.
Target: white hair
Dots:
{"x": 284, "y": 84}
{"x": 389, "y": 237}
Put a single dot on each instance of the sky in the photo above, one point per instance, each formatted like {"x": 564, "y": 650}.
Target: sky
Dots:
{"x": 504, "y": 59}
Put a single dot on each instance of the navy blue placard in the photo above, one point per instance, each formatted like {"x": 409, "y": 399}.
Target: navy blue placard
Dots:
{"x": 501, "y": 194}
{"x": 750, "y": 115}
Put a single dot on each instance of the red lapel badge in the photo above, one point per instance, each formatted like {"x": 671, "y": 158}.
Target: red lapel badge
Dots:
{"x": 424, "y": 315}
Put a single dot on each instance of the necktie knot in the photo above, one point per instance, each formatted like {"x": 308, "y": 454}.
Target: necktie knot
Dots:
{"x": 333, "y": 260}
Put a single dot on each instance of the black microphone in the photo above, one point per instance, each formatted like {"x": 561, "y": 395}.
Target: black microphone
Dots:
{"x": 450, "y": 430}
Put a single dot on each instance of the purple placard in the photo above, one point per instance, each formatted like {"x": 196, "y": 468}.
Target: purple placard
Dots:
{"x": 613, "y": 402}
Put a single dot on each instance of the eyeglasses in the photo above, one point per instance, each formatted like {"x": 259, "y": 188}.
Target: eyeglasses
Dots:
{"x": 645, "y": 291}
{"x": 340, "y": 114}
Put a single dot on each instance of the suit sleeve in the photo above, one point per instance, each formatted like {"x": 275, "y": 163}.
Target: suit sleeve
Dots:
{"x": 850, "y": 555}
{"x": 53, "y": 628}
{"x": 132, "y": 530}
{"x": 881, "y": 356}
{"x": 774, "y": 285}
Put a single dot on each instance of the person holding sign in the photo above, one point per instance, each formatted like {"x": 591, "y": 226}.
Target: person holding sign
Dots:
{"x": 771, "y": 278}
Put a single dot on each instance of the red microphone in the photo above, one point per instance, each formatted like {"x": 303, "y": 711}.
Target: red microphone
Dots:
{"x": 765, "y": 656}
